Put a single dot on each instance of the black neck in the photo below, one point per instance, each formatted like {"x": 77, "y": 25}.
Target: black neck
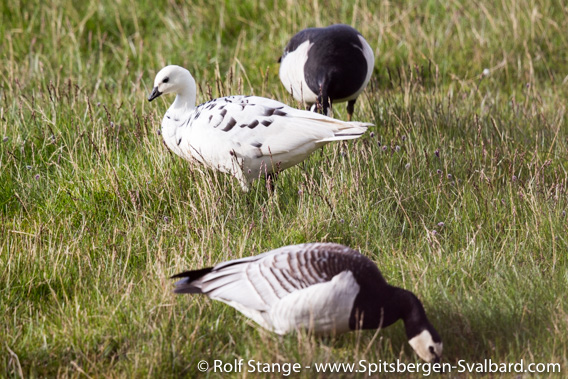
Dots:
{"x": 412, "y": 313}
{"x": 385, "y": 309}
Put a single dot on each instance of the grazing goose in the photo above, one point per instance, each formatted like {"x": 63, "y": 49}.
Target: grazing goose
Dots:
{"x": 246, "y": 136}
{"x": 327, "y": 65}
{"x": 324, "y": 287}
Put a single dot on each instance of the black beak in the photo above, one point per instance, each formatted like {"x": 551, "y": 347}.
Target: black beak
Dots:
{"x": 436, "y": 360}
{"x": 155, "y": 93}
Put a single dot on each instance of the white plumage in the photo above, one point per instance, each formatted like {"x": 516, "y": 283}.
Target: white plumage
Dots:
{"x": 246, "y": 136}
{"x": 324, "y": 287}
{"x": 292, "y": 74}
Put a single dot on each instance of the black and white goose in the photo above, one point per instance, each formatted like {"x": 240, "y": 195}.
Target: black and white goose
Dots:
{"x": 324, "y": 287}
{"x": 246, "y": 136}
{"x": 327, "y": 65}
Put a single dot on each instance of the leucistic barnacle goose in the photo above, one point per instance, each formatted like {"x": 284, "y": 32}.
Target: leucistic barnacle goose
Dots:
{"x": 324, "y": 287}
{"x": 329, "y": 65}
{"x": 246, "y": 136}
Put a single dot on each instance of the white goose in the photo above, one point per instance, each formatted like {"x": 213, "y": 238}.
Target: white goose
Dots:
{"x": 323, "y": 287}
{"x": 246, "y": 136}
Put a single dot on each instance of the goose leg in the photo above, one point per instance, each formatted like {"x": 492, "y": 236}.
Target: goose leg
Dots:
{"x": 323, "y": 102}
{"x": 350, "y": 108}
{"x": 271, "y": 180}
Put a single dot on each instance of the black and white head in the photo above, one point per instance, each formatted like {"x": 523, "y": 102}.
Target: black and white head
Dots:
{"x": 427, "y": 344}
{"x": 421, "y": 335}
{"x": 171, "y": 79}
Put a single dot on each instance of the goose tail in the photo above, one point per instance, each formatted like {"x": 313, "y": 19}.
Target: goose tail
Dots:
{"x": 190, "y": 280}
{"x": 349, "y": 130}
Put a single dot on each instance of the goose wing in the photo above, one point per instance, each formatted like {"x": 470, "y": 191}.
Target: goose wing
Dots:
{"x": 251, "y": 127}
{"x": 258, "y": 282}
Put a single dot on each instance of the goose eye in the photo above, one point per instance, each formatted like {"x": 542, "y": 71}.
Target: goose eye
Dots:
{"x": 166, "y": 80}
{"x": 431, "y": 348}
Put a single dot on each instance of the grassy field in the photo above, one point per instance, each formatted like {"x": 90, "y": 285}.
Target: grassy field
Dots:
{"x": 458, "y": 194}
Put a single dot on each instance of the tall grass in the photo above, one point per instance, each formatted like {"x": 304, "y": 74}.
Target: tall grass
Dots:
{"x": 459, "y": 192}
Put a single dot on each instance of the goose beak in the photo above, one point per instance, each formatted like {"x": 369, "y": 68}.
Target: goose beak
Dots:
{"x": 436, "y": 359}
{"x": 155, "y": 93}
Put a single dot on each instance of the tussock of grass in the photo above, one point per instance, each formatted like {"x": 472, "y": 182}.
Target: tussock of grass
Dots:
{"x": 458, "y": 194}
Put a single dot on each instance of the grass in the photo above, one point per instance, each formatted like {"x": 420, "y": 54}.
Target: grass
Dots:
{"x": 459, "y": 193}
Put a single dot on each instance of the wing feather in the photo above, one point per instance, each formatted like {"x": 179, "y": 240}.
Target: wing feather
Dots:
{"x": 251, "y": 127}
{"x": 260, "y": 281}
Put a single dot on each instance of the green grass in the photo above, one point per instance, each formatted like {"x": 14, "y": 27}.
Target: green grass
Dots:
{"x": 96, "y": 213}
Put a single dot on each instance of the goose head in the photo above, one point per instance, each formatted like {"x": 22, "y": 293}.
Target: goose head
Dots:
{"x": 422, "y": 336}
{"x": 427, "y": 344}
{"x": 173, "y": 79}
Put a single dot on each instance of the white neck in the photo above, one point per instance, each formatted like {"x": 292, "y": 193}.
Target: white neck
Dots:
{"x": 181, "y": 109}
{"x": 186, "y": 95}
